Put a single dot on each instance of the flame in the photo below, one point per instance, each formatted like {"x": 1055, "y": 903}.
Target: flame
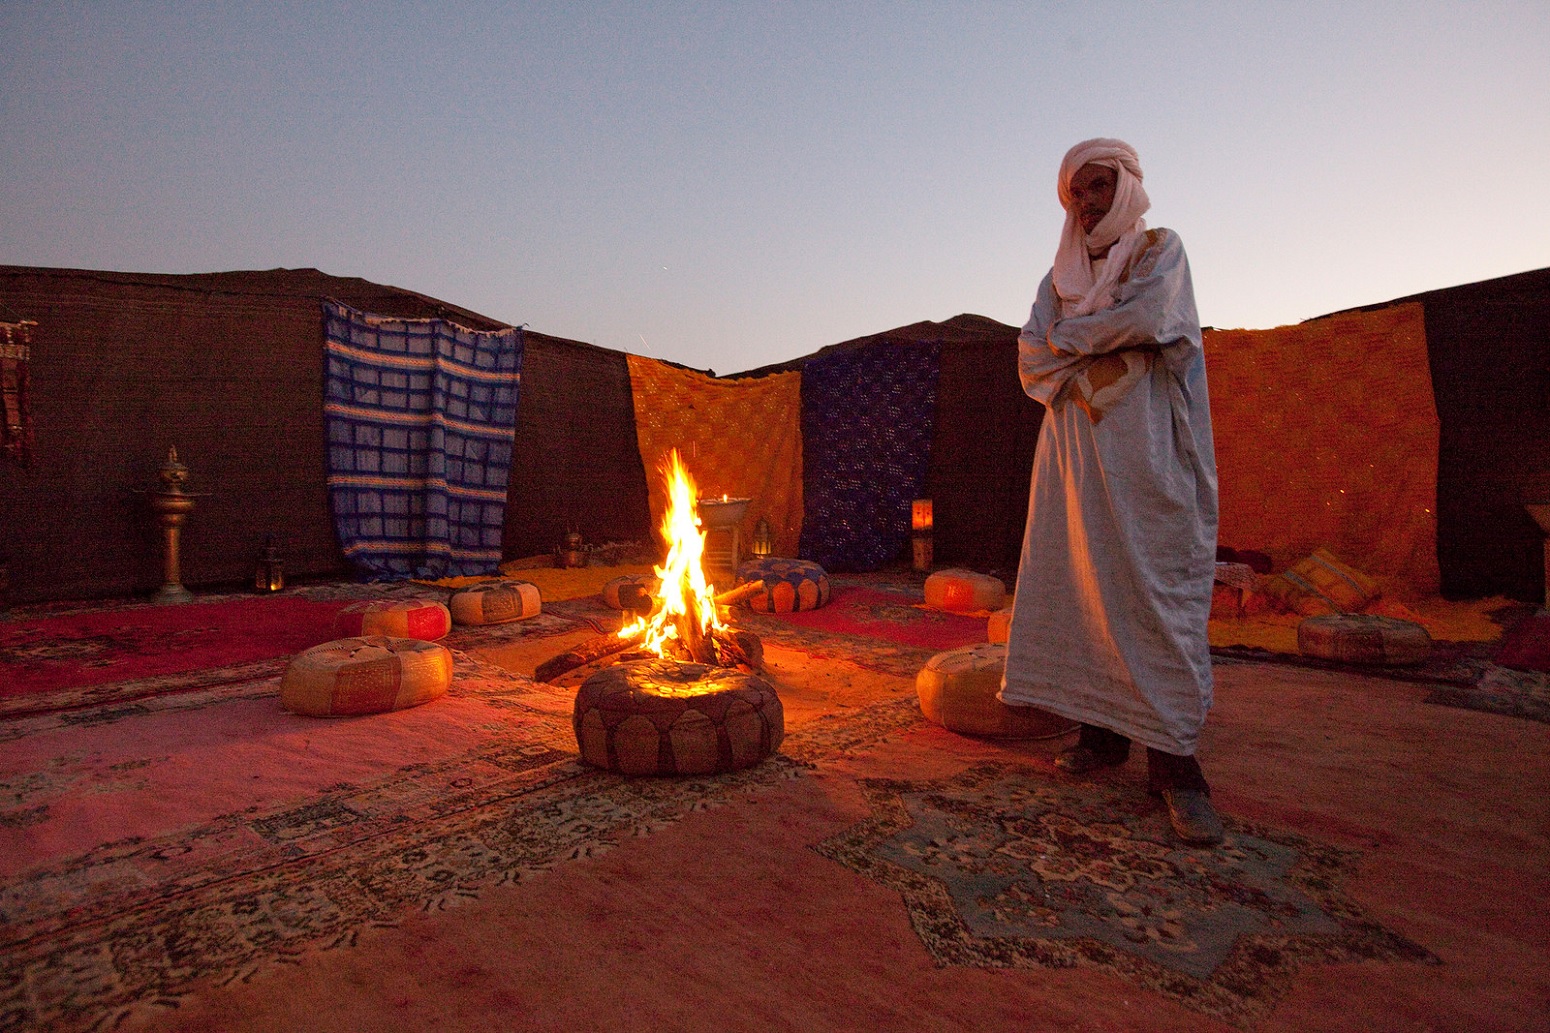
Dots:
{"x": 685, "y": 604}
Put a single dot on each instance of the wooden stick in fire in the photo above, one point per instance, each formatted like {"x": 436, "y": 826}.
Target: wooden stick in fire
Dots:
{"x": 595, "y": 649}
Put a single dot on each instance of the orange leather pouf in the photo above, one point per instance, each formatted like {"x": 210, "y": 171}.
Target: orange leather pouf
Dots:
{"x": 956, "y": 589}
{"x": 999, "y": 626}
{"x": 400, "y": 618}
{"x": 495, "y": 603}
{"x": 1363, "y": 638}
{"x": 957, "y": 690}
{"x": 367, "y": 675}
{"x": 661, "y": 717}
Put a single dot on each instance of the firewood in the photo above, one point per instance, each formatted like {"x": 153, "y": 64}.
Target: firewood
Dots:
{"x": 588, "y": 652}
{"x": 738, "y": 594}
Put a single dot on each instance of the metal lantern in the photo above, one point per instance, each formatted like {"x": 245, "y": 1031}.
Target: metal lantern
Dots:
{"x": 269, "y": 576}
{"x": 763, "y": 539}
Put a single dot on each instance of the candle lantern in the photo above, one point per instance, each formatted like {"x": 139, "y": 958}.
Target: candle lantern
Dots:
{"x": 763, "y": 539}
{"x": 920, "y": 526}
{"x": 269, "y": 576}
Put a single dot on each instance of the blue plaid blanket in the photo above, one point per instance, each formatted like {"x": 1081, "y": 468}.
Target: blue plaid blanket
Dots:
{"x": 420, "y": 416}
{"x": 868, "y": 416}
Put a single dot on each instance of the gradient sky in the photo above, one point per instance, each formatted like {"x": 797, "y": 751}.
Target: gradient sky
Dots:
{"x": 729, "y": 185}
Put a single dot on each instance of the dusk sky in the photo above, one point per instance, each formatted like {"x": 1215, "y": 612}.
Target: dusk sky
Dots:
{"x": 729, "y": 185}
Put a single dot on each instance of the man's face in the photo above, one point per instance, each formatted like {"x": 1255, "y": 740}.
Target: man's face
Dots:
{"x": 1092, "y": 194}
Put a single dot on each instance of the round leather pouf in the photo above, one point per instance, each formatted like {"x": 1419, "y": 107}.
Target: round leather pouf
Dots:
{"x": 957, "y": 690}
{"x": 650, "y": 583}
{"x": 999, "y": 626}
{"x": 496, "y": 603}
{"x": 1363, "y": 638}
{"x": 662, "y": 717}
{"x": 398, "y": 618}
{"x": 955, "y": 589}
{"x": 789, "y": 585}
{"x": 368, "y": 675}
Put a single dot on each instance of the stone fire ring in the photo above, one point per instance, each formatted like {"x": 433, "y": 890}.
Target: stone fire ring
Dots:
{"x": 663, "y": 717}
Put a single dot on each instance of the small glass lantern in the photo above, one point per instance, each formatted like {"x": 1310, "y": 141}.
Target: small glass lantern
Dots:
{"x": 763, "y": 539}
{"x": 920, "y": 529}
{"x": 270, "y": 573}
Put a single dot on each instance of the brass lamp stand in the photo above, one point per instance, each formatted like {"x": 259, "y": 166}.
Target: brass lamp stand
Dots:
{"x": 172, "y": 505}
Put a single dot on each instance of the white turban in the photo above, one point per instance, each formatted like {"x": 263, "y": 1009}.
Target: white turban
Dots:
{"x": 1081, "y": 293}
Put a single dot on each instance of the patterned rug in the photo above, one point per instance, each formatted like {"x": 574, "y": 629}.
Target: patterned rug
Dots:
{"x": 1001, "y": 867}
{"x": 92, "y": 936}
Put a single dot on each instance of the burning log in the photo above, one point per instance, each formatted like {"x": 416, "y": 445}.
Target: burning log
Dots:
{"x": 588, "y": 652}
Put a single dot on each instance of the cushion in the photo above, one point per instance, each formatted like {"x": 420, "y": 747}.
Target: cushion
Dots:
{"x": 365, "y": 675}
{"x": 660, "y": 717}
{"x": 611, "y": 590}
{"x": 495, "y": 603}
{"x": 1320, "y": 584}
{"x": 397, "y": 618}
{"x": 957, "y": 690}
{"x": 998, "y": 628}
{"x": 1363, "y": 638}
{"x": 789, "y": 585}
{"x": 956, "y": 589}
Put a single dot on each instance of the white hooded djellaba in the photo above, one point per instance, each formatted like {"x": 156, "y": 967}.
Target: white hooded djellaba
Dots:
{"x": 1114, "y": 588}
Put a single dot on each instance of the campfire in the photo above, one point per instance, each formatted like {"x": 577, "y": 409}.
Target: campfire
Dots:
{"x": 691, "y": 700}
{"x": 686, "y": 620}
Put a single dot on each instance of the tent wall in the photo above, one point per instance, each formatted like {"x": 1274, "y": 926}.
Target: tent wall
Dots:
{"x": 575, "y": 462}
{"x": 227, "y": 367}
{"x": 1490, "y": 354}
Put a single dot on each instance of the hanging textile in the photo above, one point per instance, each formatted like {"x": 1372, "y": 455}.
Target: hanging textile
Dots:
{"x": 420, "y": 416}
{"x": 739, "y": 438}
{"x": 1327, "y": 437}
{"x": 868, "y": 415}
{"x": 15, "y": 390}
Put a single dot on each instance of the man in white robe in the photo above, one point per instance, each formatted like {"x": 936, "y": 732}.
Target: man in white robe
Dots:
{"x": 1114, "y": 588}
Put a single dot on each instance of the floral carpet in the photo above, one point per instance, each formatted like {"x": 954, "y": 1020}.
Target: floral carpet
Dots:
{"x": 1003, "y": 868}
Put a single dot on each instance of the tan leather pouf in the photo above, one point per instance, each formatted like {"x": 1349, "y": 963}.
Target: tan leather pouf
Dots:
{"x": 957, "y": 690}
{"x": 659, "y": 717}
{"x": 367, "y": 675}
{"x": 999, "y": 627}
{"x": 647, "y": 582}
{"x": 1363, "y": 638}
{"x": 955, "y": 589}
{"x": 398, "y": 618}
{"x": 495, "y": 603}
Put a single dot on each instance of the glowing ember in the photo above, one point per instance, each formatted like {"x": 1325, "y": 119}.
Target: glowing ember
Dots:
{"x": 684, "y": 617}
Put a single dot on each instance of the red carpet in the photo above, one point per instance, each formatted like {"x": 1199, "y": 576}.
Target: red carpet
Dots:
{"x": 140, "y": 641}
{"x": 891, "y": 616}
